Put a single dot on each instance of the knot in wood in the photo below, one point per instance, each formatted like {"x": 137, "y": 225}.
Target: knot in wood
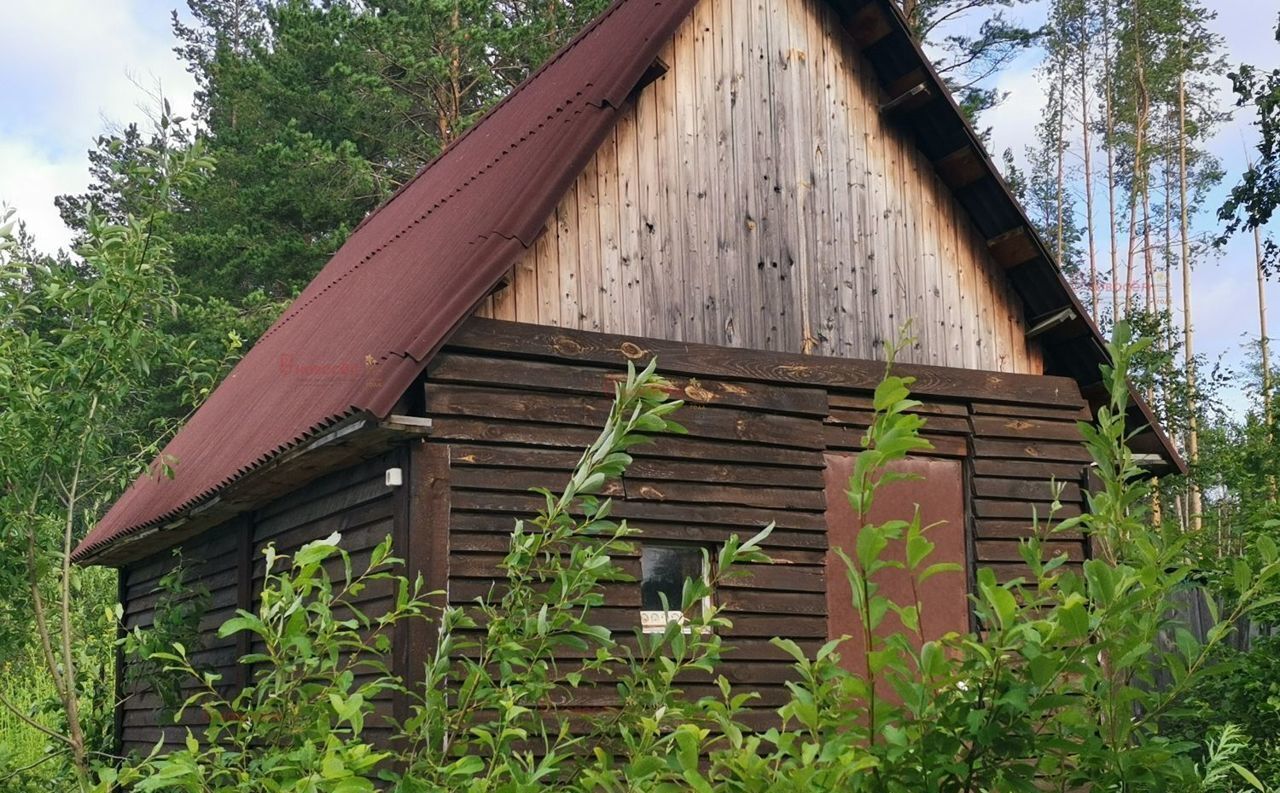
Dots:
{"x": 566, "y": 346}
{"x": 697, "y": 393}
{"x": 632, "y": 350}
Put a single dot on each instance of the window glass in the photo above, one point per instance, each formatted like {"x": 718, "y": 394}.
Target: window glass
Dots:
{"x": 664, "y": 569}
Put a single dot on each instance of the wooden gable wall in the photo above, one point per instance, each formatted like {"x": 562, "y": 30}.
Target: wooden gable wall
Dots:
{"x": 755, "y": 196}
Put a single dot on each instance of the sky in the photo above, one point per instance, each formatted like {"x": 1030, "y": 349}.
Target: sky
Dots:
{"x": 75, "y": 69}
{"x": 80, "y": 67}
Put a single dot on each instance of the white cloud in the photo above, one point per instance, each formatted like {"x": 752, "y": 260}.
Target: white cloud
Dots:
{"x": 29, "y": 180}
{"x": 1013, "y": 122}
{"x": 77, "y": 67}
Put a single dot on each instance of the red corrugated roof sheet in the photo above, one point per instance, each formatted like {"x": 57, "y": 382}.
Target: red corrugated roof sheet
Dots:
{"x": 360, "y": 333}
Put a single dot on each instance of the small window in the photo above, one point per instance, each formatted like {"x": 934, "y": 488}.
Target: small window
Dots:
{"x": 664, "y": 569}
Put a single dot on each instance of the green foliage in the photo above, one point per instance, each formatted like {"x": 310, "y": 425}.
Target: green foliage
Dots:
{"x": 316, "y": 113}
{"x": 972, "y": 40}
{"x": 1245, "y": 692}
{"x": 175, "y": 620}
{"x": 318, "y": 667}
{"x": 80, "y": 341}
{"x": 1253, "y": 201}
{"x": 1058, "y": 691}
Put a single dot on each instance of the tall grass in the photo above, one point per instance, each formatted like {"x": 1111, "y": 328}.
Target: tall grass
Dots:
{"x": 23, "y": 682}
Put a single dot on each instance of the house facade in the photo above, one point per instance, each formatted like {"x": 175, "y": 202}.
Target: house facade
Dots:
{"x": 760, "y": 194}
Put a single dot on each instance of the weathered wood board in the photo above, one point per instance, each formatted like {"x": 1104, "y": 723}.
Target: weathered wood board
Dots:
{"x": 755, "y": 196}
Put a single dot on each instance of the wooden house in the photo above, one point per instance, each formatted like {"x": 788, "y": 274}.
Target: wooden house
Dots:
{"x": 758, "y": 192}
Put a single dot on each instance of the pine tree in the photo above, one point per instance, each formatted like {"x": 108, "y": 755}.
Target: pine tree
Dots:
{"x": 317, "y": 112}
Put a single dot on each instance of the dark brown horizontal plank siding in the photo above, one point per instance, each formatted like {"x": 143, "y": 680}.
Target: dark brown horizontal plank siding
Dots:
{"x": 514, "y": 405}
{"x": 228, "y": 561}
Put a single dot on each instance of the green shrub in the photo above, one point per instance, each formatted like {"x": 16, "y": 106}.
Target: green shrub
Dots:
{"x": 1244, "y": 691}
{"x": 1056, "y": 692}
{"x": 179, "y": 606}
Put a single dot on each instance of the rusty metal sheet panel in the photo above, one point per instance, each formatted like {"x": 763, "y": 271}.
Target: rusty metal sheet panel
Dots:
{"x": 944, "y": 598}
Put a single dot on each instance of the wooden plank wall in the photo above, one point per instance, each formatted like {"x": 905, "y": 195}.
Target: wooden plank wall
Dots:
{"x": 213, "y": 561}
{"x": 513, "y": 405}
{"x": 354, "y": 502}
{"x": 754, "y": 196}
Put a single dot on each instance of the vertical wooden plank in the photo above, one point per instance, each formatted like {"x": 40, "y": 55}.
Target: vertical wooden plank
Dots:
{"x": 503, "y": 301}
{"x": 730, "y": 206}
{"x": 426, "y": 526}
{"x": 629, "y": 221}
{"x": 746, "y": 217}
{"x": 706, "y": 193}
{"x": 567, "y": 259}
{"x": 792, "y": 311}
{"x": 650, "y": 207}
{"x": 968, "y": 289}
{"x": 846, "y": 181}
{"x": 824, "y": 279}
{"x": 244, "y": 595}
{"x": 807, "y": 149}
{"x": 669, "y": 293}
{"x": 831, "y": 187}
{"x": 862, "y": 181}
{"x": 932, "y": 257}
{"x": 547, "y": 248}
{"x": 524, "y": 278}
{"x": 609, "y": 299}
{"x": 687, "y": 292}
{"x": 920, "y": 284}
{"x": 950, "y": 281}
{"x": 590, "y": 252}
{"x": 777, "y": 306}
{"x": 990, "y": 359}
{"x": 903, "y": 267}
{"x": 877, "y": 223}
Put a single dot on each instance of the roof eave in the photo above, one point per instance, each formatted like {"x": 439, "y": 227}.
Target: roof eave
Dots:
{"x": 357, "y": 438}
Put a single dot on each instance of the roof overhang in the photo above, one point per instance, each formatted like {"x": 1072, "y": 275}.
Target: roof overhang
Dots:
{"x": 350, "y": 441}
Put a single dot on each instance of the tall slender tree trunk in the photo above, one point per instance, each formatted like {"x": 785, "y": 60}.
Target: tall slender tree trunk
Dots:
{"x": 910, "y": 8}
{"x": 1059, "y": 55}
{"x": 450, "y": 118}
{"x": 1088, "y": 160}
{"x": 1148, "y": 252}
{"x": 1193, "y": 430}
{"x": 1264, "y": 347}
{"x": 1132, "y": 253}
{"x": 1141, "y": 110}
{"x": 1109, "y": 145}
{"x": 1264, "y": 343}
{"x": 1168, "y": 250}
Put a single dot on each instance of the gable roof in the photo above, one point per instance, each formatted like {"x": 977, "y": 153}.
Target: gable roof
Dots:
{"x": 419, "y": 265}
